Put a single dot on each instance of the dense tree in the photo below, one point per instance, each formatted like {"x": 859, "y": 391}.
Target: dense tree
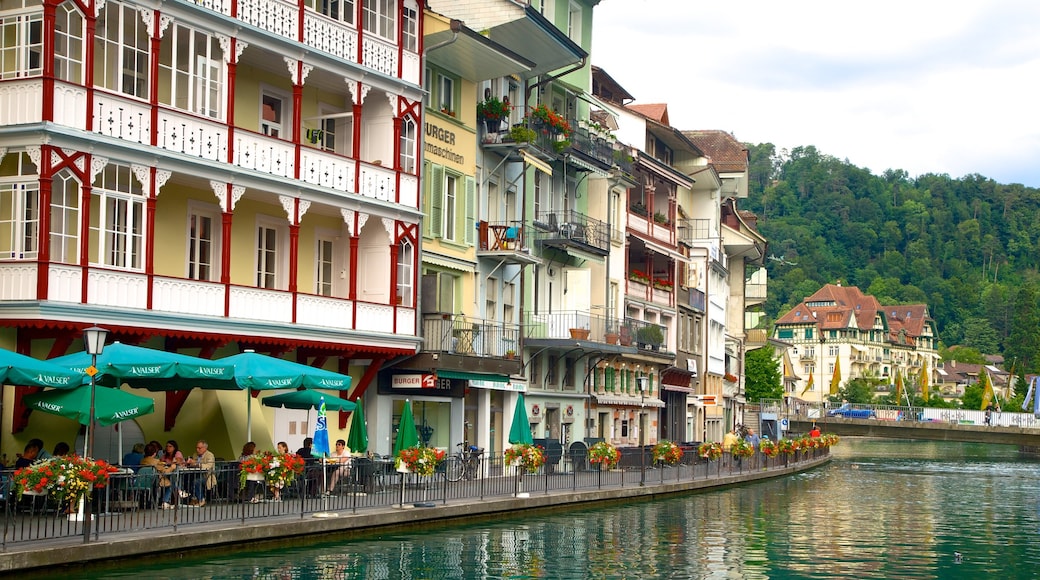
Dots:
{"x": 858, "y": 390}
{"x": 762, "y": 375}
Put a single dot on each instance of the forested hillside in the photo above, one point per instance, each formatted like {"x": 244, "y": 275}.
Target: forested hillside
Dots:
{"x": 968, "y": 247}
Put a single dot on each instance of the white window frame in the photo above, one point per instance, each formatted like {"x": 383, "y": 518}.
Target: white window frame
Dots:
{"x": 196, "y": 245}
{"x": 191, "y": 68}
{"x": 20, "y": 219}
{"x": 339, "y": 10}
{"x": 69, "y": 46}
{"x": 410, "y": 28}
{"x": 325, "y": 263}
{"x": 21, "y": 56}
{"x": 451, "y": 199}
{"x": 124, "y": 54}
{"x": 271, "y": 265}
{"x": 379, "y": 17}
{"x": 405, "y": 271}
{"x": 273, "y": 128}
{"x": 574, "y": 16}
{"x": 408, "y": 144}
{"x": 120, "y": 224}
{"x": 65, "y": 222}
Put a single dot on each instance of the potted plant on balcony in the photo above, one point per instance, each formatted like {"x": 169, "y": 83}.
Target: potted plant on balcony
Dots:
{"x": 492, "y": 110}
{"x": 522, "y": 134}
{"x": 639, "y": 276}
{"x": 551, "y": 121}
{"x": 638, "y": 208}
{"x": 510, "y": 354}
{"x": 662, "y": 284}
{"x": 650, "y": 336}
{"x": 579, "y": 333}
{"x": 661, "y": 218}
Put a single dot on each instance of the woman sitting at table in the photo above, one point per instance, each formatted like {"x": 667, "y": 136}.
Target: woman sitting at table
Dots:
{"x": 341, "y": 459}
{"x": 170, "y": 460}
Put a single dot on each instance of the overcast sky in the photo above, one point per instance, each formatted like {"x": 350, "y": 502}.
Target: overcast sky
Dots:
{"x": 919, "y": 85}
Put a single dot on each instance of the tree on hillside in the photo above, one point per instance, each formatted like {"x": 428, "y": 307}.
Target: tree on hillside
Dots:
{"x": 962, "y": 354}
{"x": 1023, "y": 344}
{"x": 762, "y": 375}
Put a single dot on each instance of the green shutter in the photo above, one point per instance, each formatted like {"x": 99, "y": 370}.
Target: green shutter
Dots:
{"x": 435, "y": 216}
{"x": 610, "y": 379}
{"x": 471, "y": 211}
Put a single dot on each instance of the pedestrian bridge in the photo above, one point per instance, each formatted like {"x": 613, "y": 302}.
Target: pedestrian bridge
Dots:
{"x": 933, "y": 424}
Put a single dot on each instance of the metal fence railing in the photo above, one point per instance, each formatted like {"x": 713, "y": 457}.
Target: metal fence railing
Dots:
{"x": 134, "y": 502}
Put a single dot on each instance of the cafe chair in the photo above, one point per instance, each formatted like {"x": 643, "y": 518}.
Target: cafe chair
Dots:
{"x": 142, "y": 488}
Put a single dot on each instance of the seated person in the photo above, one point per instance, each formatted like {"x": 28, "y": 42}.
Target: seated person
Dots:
{"x": 169, "y": 461}
{"x": 340, "y": 458}
{"x": 29, "y": 455}
{"x": 133, "y": 459}
{"x": 61, "y": 449}
{"x": 204, "y": 460}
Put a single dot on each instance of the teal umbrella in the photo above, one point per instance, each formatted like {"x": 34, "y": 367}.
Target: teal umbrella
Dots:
{"x": 406, "y": 434}
{"x": 357, "y": 437}
{"x": 520, "y": 430}
{"x": 111, "y": 406}
{"x": 26, "y": 371}
{"x": 308, "y": 399}
{"x": 259, "y": 372}
{"x": 155, "y": 370}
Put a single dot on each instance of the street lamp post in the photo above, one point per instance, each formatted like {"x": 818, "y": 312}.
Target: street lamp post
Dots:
{"x": 642, "y": 381}
{"x": 94, "y": 343}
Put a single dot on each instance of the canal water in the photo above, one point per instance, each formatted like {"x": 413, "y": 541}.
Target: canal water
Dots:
{"x": 880, "y": 509}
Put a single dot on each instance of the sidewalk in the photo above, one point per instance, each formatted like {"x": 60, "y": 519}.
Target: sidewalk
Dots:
{"x": 315, "y": 516}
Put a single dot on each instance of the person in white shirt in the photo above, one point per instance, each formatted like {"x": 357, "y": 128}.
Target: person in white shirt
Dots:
{"x": 341, "y": 459}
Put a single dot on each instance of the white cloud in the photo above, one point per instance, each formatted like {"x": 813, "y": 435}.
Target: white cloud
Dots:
{"x": 924, "y": 86}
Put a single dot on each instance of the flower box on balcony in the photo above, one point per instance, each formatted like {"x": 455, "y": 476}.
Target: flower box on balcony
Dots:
{"x": 580, "y": 333}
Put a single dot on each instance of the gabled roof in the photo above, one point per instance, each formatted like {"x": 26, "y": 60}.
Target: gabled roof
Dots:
{"x": 723, "y": 150}
{"x": 657, "y": 112}
{"x": 605, "y": 87}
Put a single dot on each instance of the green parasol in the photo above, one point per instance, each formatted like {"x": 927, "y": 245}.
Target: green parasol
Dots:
{"x": 520, "y": 430}
{"x": 155, "y": 370}
{"x": 19, "y": 369}
{"x": 111, "y": 406}
{"x": 307, "y": 399}
{"x": 357, "y": 437}
{"x": 258, "y": 372}
{"x": 406, "y": 434}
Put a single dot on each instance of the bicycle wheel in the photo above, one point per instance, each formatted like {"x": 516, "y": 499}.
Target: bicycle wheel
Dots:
{"x": 454, "y": 469}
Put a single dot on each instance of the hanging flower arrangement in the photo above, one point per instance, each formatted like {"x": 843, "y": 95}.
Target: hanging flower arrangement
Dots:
{"x": 667, "y": 452}
{"x": 552, "y": 121}
{"x": 604, "y": 454}
{"x": 787, "y": 446}
{"x": 493, "y": 109}
{"x": 66, "y": 478}
{"x": 769, "y": 448}
{"x": 710, "y": 451}
{"x": 421, "y": 460}
{"x": 530, "y": 457}
{"x": 639, "y": 276}
{"x": 743, "y": 449}
{"x": 278, "y": 469}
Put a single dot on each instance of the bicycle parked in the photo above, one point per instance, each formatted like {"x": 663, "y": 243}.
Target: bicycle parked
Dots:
{"x": 464, "y": 464}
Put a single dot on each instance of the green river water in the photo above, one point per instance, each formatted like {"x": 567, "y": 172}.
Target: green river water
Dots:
{"x": 880, "y": 509}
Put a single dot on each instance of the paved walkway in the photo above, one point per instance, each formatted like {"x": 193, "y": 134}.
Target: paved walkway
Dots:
{"x": 195, "y": 533}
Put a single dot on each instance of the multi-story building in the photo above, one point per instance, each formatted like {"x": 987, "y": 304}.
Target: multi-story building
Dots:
{"x": 838, "y": 334}
{"x": 475, "y": 246}
{"x": 208, "y": 177}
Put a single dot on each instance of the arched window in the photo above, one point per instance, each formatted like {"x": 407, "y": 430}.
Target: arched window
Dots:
{"x": 405, "y": 267}
{"x": 407, "y": 145}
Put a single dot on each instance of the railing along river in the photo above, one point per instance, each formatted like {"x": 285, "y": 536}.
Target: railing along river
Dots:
{"x": 134, "y": 503}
